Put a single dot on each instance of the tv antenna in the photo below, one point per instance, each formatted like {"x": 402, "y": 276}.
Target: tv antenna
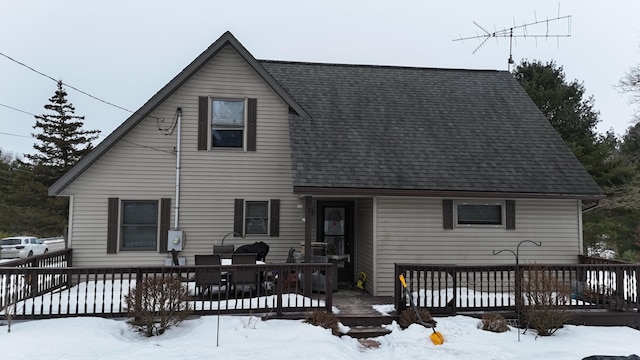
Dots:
{"x": 520, "y": 31}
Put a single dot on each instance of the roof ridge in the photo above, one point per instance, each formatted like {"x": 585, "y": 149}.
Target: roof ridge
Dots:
{"x": 408, "y": 67}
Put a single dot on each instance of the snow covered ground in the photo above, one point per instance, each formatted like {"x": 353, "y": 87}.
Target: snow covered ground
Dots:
{"x": 248, "y": 337}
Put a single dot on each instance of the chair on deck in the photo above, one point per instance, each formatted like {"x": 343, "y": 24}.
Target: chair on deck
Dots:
{"x": 209, "y": 279}
{"x": 225, "y": 251}
{"x": 244, "y": 280}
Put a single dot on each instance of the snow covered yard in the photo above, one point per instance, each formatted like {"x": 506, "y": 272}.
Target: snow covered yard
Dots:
{"x": 247, "y": 337}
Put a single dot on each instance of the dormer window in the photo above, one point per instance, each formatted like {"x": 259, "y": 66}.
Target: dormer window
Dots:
{"x": 227, "y": 123}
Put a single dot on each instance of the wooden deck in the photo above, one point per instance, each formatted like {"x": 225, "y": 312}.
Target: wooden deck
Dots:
{"x": 49, "y": 286}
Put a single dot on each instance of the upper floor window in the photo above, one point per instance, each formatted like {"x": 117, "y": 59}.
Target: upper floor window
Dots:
{"x": 227, "y": 123}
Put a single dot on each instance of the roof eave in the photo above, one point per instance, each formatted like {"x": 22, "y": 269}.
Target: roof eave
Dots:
{"x": 328, "y": 191}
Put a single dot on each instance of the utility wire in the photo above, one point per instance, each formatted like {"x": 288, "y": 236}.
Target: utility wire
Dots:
{"x": 23, "y": 136}
{"x": 22, "y": 111}
{"x": 99, "y": 135}
{"x": 67, "y": 85}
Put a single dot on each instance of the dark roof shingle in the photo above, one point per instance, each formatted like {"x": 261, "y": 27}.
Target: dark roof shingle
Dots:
{"x": 401, "y": 128}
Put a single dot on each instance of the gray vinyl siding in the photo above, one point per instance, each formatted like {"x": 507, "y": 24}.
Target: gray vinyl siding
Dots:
{"x": 143, "y": 167}
{"x": 365, "y": 242}
{"x": 409, "y": 230}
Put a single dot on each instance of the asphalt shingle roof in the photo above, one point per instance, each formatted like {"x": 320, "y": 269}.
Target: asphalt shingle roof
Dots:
{"x": 401, "y": 128}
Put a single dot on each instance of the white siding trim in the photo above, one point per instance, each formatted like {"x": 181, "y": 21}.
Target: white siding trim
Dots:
{"x": 580, "y": 229}
{"x": 375, "y": 246}
{"x": 70, "y": 223}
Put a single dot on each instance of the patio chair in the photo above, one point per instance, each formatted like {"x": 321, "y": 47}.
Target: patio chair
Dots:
{"x": 224, "y": 251}
{"x": 244, "y": 280}
{"x": 209, "y": 280}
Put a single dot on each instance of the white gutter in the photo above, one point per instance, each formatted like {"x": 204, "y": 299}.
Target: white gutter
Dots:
{"x": 177, "y": 202}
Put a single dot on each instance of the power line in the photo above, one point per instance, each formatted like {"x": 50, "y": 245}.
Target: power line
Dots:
{"x": 22, "y": 111}
{"x": 99, "y": 135}
{"x": 67, "y": 85}
{"x": 22, "y": 136}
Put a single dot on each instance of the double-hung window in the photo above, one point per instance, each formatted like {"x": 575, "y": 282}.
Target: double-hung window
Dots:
{"x": 257, "y": 217}
{"x": 227, "y": 123}
{"x": 139, "y": 226}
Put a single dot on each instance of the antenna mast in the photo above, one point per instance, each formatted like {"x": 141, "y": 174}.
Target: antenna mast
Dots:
{"x": 513, "y": 32}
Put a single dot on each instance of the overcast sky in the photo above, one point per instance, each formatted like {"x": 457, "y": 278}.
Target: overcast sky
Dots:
{"x": 124, "y": 51}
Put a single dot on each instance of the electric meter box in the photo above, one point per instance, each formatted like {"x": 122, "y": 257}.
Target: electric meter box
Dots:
{"x": 175, "y": 240}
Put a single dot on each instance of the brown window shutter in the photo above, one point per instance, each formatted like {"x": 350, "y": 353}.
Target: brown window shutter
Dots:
{"x": 113, "y": 219}
{"x": 274, "y": 226}
{"x": 252, "y": 113}
{"x": 447, "y": 214}
{"x": 203, "y": 121}
{"x": 510, "y": 212}
{"x": 165, "y": 223}
{"x": 238, "y": 217}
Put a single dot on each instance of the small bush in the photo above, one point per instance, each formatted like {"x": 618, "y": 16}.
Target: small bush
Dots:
{"x": 156, "y": 304}
{"x": 543, "y": 300}
{"x": 325, "y": 319}
{"x": 493, "y": 322}
{"x": 408, "y": 316}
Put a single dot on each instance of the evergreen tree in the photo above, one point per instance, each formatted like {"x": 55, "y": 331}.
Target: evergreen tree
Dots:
{"x": 574, "y": 118}
{"x": 6, "y": 178}
{"x": 562, "y": 102}
{"x": 26, "y": 207}
{"x": 62, "y": 141}
{"x": 630, "y": 146}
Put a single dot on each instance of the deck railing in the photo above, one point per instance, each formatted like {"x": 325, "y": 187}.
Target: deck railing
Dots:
{"x": 36, "y": 284}
{"x": 449, "y": 289}
{"x": 47, "y": 292}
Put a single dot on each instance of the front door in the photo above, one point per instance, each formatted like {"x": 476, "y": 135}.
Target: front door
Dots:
{"x": 335, "y": 226}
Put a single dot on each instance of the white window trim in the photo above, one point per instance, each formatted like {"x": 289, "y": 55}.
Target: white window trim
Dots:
{"x": 210, "y": 122}
{"x": 502, "y": 204}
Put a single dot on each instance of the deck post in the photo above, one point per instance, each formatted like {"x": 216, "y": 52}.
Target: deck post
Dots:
{"x": 308, "y": 224}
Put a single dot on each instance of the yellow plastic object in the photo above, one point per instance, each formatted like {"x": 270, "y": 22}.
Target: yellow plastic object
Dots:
{"x": 437, "y": 338}
{"x": 362, "y": 277}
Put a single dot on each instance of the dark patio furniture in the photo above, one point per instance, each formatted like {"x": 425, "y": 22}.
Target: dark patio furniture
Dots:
{"x": 209, "y": 279}
{"x": 225, "y": 251}
{"x": 244, "y": 280}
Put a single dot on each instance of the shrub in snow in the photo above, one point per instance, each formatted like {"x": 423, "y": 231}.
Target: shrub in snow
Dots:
{"x": 543, "y": 300}
{"x": 157, "y": 303}
{"x": 408, "y": 317}
{"x": 493, "y": 322}
{"x": 325, "y": 319}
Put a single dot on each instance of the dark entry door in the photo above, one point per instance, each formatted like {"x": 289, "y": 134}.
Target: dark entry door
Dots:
{"x": 335, "y": 225}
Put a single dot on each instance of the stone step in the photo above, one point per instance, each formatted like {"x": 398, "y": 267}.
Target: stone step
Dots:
{"x": 363, "y": 332}
{"x": 370, "y": 320}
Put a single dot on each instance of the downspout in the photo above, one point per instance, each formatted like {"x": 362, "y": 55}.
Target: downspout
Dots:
{"x": 177, "y": 202}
